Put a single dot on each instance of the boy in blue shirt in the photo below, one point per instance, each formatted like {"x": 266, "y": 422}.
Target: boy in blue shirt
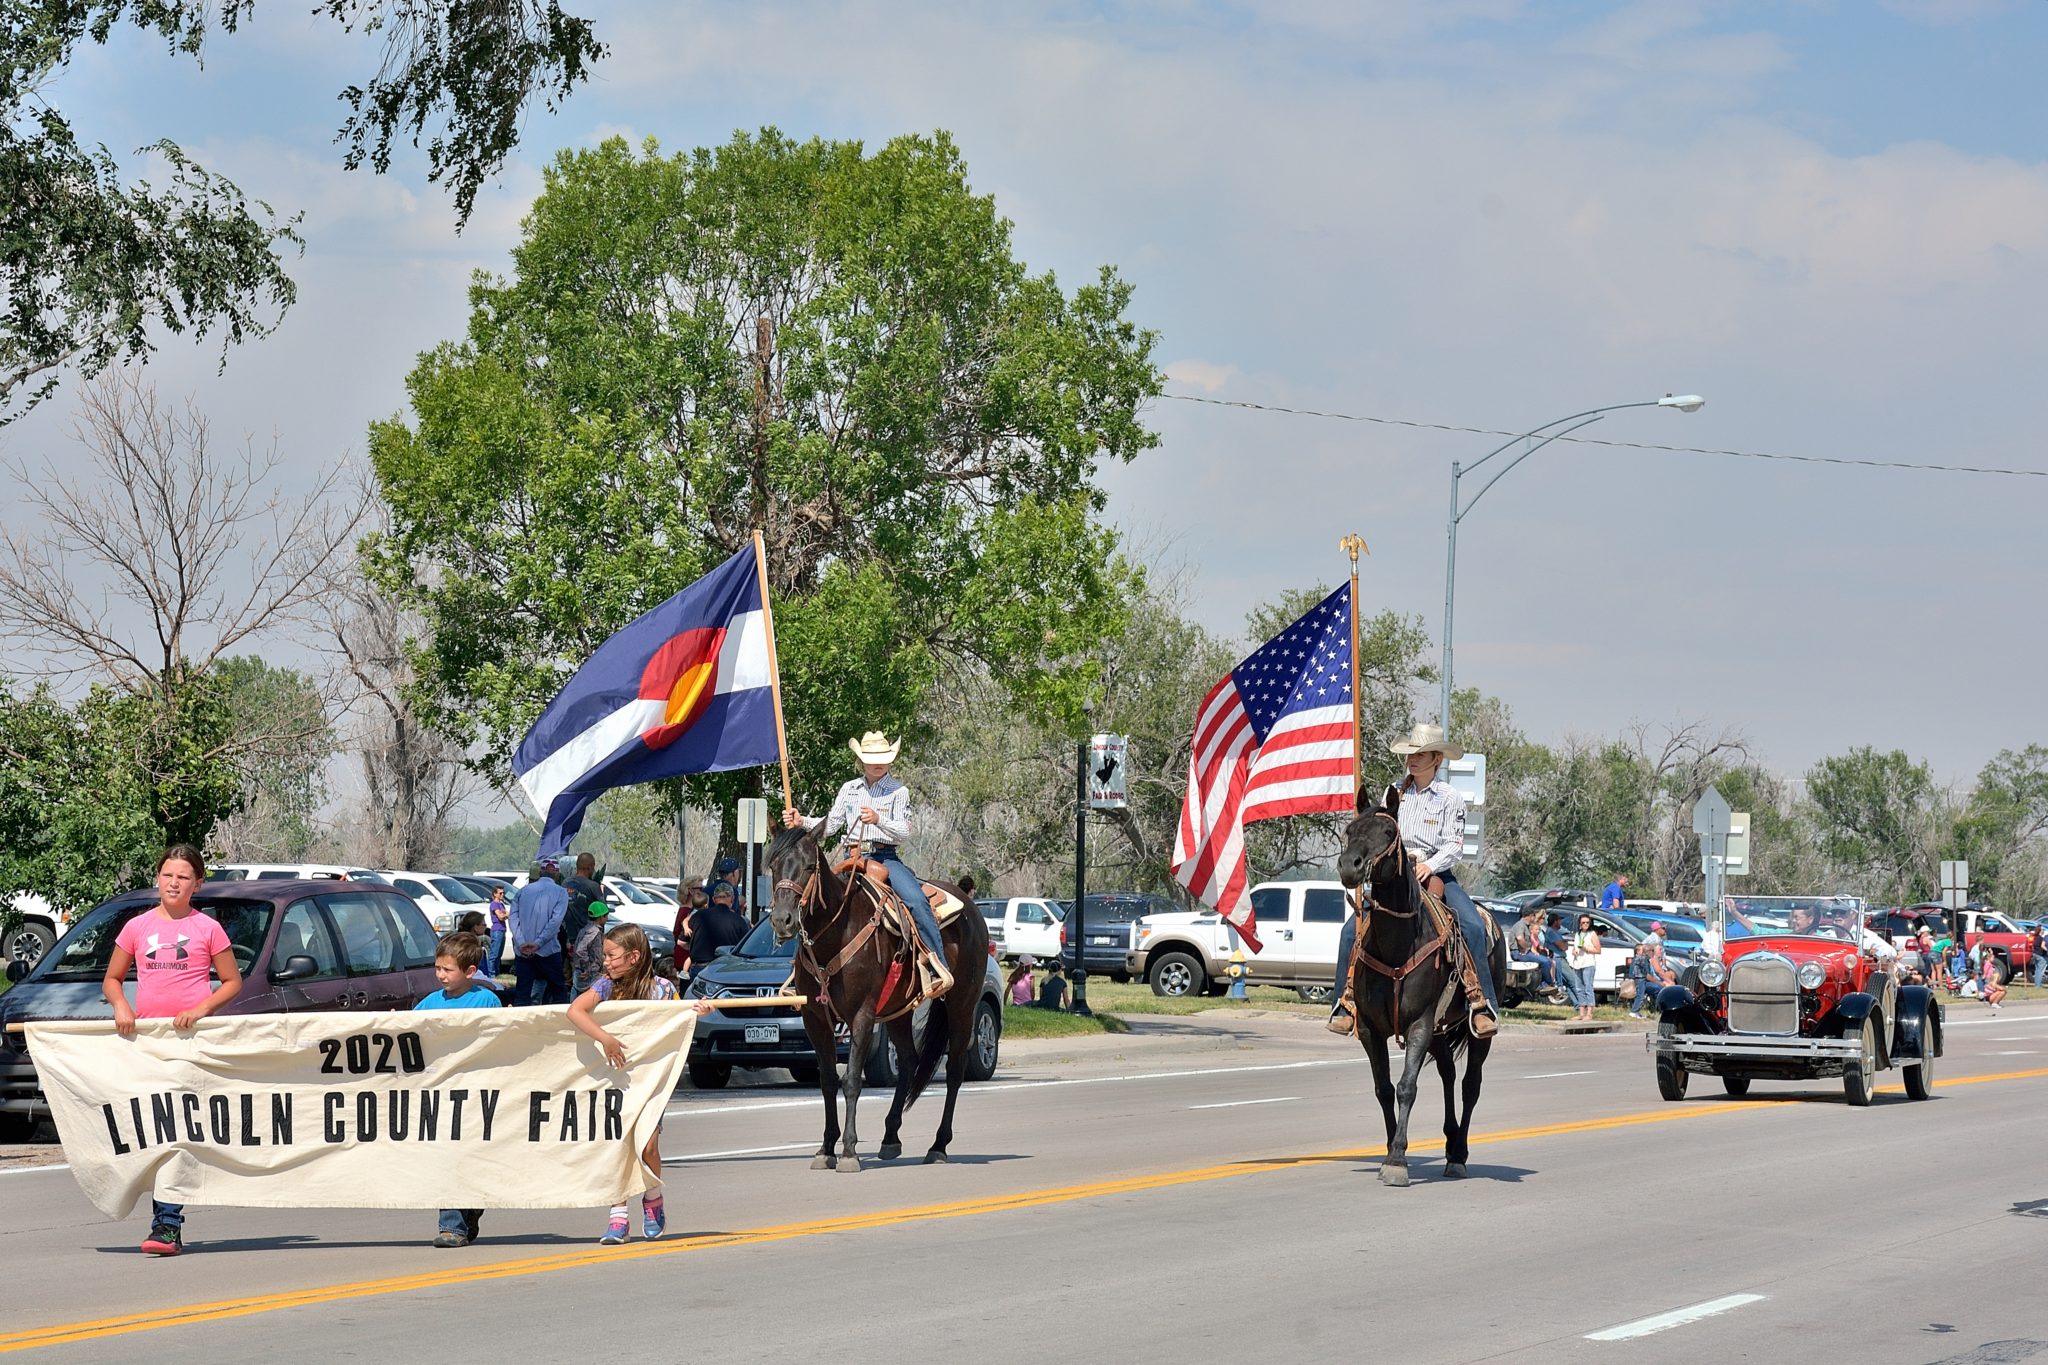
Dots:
{"x": 456, "y": 958}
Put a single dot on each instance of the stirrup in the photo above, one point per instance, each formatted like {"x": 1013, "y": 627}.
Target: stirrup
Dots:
{"x": 933, "y": 977}
{"x": 1481, "y": 1020}
{"x": 1343, "y": 1019}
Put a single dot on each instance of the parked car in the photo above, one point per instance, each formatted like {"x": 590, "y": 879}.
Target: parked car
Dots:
{"x": 1988, "y": 931}
{"x": 1618, "y": 936}
{"x": 291, "y": 872}
{"x": 302, "y": 946}
{"x": 1896, "y": 925}
{"x": 441, "y": 896}
{"x": 1024, "y": 924}
{"x": 761, "y": 1038}
{"x": 1189, "y": 952}
{"x": 634, "y": 904}
{"x": 1554, "y": 898}
{"x": 1109, "y": 921}
{"x": 36, "y": 927}
{"x": 1666, "y": 909}
{"x": 1684, "y": 939}
{"x": 1785, "y": 1006}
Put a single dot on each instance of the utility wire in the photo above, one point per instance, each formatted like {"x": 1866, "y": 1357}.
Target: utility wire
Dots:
{"x": 1623, "y": 445}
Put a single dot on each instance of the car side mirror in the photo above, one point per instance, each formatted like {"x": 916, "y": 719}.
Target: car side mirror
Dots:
{"x": 724, "y": 950}
{"x": 295, "y": 966}
{"x": 16, "y": 970}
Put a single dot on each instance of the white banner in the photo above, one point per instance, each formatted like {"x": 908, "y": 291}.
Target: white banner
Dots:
{"x": 428, "y": 1109}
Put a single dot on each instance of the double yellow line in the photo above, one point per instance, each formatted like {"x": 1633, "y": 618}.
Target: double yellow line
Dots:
{"x": 469, "y": 1273}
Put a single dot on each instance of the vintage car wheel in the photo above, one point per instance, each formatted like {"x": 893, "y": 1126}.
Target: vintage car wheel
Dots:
{"x": 1737, "y": 1086}
{"x": 1859, "y": 1076}
{"x": 1920, "y": 1079}
{"x": 1671, "y": 1077}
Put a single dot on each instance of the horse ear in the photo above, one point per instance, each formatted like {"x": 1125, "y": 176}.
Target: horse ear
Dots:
{"x": 1392, "y": 799}
{"x": 816, "y": 829}
{"x": 1364, "y": 798}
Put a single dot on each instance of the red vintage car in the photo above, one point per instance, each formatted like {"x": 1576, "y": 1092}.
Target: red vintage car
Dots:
{"x": 1813, "y": 999}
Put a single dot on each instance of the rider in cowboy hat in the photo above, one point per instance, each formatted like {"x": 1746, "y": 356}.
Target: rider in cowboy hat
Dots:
{"x": 874, "y": 810}
{"x": 1432, "y": 816}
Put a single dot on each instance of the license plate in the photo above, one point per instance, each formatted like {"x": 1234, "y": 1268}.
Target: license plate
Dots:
{"x": 764, "y": 1033}
{"x": 1100, "y": 942}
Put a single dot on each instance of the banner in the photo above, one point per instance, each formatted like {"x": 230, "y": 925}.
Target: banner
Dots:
{"x": 428, "y": 1109}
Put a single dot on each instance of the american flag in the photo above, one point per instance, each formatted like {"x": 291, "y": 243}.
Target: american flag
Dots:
{"x": 1276, "y": 737}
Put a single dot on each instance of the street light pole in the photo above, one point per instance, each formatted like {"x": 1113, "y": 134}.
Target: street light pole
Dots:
{"x": 1690, "y": 402}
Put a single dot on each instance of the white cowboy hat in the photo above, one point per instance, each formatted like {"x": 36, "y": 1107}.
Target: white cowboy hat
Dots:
{"x": 874, "y": 747}
{"x": 1426, "y": 739}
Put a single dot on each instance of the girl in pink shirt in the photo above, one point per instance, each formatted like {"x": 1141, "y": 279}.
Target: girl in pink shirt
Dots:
{"x": 171, "y": 947}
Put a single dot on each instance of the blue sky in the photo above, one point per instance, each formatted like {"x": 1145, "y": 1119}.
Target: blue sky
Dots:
{"x": 1829, "y": 218}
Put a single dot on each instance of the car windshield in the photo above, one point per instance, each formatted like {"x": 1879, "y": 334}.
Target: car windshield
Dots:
{"x": 89, "y": 947}
{"x": 1121, "y": 909}
{"x": 761, "y": 943}
{"x": 448, "y": 889}
{"x": 633, "y": 893}
{"x": 1836, "y": 917}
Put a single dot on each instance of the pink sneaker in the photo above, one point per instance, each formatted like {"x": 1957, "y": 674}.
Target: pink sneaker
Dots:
{"x": 653, "y": 1217}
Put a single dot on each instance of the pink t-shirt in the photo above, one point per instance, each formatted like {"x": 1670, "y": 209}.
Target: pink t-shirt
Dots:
{"x": 173, "y": 960}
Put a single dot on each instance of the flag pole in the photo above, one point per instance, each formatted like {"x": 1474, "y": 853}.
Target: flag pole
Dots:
{"x": 775, "y": 665}
{"x": 1353, "y": 544}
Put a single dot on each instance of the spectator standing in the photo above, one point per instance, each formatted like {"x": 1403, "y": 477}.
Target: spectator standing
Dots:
{"x": 497, "y": 911}
{"x": 716, "y": 926}
{"x": 535, "y": 927}
{"x": 1612, "y": 895}
{"x": 689, "y": 903}
{"x": 1583, "y": 957}
{"x": 2037, "y": 970}
{"x": 583, "y": 890}
{"x": 586, "y": 956}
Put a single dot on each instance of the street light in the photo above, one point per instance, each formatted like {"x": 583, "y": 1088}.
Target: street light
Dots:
{"x": 1684, "y": 402}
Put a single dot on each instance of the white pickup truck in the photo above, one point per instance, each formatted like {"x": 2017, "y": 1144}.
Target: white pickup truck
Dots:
{"x": 32, "y": 930}
{"x": 1189, "y": 952}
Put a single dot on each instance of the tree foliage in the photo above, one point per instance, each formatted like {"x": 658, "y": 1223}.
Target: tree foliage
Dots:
{"x": 93, "y": 266}
{"x": 834, "y": 346}
{"x": 1878, "y": 819}
{"x": 284, "y": 739}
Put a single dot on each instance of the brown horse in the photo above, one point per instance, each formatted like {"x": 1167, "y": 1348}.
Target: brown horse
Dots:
{"x": 1405, "y": 985}
{"x": 858, "y": 970}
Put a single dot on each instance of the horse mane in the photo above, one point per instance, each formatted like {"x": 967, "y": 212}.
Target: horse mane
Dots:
{"x": 788, "y": 840}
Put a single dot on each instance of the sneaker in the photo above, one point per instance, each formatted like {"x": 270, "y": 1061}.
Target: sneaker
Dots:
{"x": 163, "y": 1240}
{"x": 614, "y": 1233}
{"x": 653, "y": 1218}
{"x": 451, "y": 1239}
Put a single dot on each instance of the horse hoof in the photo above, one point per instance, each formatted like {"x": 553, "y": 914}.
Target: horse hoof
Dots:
{"x": 1454, "y": 1171}
{"x": 821, "y": 1162}
{"x": 935, "y": 1158}
{"x": 849, "y": 1163}
{"x": 1396, "y": 1176}
{"x": 890, "y": 1151}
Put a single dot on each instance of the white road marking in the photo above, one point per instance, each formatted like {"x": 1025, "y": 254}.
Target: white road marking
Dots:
{"x": 1677, "y": 1317}
{"x": 2013, "y": 1052}
{"x": 737, "y": 1151}
{"x": 1011, "y": 1087}
{"x": 1996, "y": 1021}
{"x": 1553, "y": 1075}
{"x": 1239, "y": 1104}
{"x": 25, "y": 1170}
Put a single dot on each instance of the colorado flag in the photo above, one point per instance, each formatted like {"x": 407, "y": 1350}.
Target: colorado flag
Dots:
{"x": 687, "y": 688}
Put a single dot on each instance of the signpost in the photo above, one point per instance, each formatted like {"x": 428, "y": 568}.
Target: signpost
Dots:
{"x": 1712, "y": 819}
{"x": 1467, "y": 777}
{"x": 1955, "y": 885}
{"x": 1108, "y": 787}
{"x": 752, "y": 829}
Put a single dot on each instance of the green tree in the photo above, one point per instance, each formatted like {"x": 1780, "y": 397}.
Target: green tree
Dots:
{"x": 2004, "y": 825}
{"x": 284, "y": 740}
{"x": 1513, "y": 854}
{"x": 836, "y": 347}
{"x": 91, "y": 266}
{"x": 1878, "y": 818}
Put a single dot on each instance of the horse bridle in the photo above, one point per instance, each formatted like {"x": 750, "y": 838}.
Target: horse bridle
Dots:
{"x": 1365, "y": 882}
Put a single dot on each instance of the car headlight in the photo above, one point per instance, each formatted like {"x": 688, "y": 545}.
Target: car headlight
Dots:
{"x": 1713, "y": 973}
{"x": 1811, "y": 974}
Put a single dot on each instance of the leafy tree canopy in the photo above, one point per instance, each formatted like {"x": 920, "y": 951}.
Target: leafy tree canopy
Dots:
{"x": 834, "y": 346}
{"x": 91, "y": 265}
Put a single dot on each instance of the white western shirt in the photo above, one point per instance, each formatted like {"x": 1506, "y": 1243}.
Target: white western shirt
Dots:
{"x": 1432, "y": 825}
{"x": 889, "y": 797}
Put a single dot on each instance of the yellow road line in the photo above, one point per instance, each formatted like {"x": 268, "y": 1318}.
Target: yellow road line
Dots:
{"x": 469, "y": 1273}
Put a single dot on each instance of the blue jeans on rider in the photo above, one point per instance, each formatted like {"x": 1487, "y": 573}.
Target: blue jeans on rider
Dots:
{"x": 905, "y": 883}
{"x": 1471, "y": 923}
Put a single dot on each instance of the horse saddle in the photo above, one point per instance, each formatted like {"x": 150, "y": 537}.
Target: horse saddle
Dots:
{"x": 945, "y": 904}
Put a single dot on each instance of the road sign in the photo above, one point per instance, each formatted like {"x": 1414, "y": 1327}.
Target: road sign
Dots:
{"x": 1711, "y": 814}
{"x": 752, "y": 821}
{"x": 1735, "y": 861}
{"x": 1108, "y": 788}
{"x": 1467, "y": 777}
{"x": 1955, "y": 884}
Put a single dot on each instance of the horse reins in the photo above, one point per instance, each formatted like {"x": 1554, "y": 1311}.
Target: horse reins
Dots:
{"x": 810, "y": 893}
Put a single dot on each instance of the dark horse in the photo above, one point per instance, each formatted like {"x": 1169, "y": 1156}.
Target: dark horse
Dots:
{"x": 844, "y": 961}
{"x": 1405, "y": 985}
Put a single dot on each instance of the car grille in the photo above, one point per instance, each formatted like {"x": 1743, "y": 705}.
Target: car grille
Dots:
{"x": 1763, "y": 996}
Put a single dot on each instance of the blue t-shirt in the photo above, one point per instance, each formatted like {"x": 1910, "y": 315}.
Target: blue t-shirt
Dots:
{"x": 1610, "y": 896}
{"x": 477, "y": 997}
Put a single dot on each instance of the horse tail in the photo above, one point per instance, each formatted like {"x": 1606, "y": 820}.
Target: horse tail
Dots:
{"x": 931, "y": 1049}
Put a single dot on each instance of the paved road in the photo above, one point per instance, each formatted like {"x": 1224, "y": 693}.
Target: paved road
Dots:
{"x": 1181, "y": 1196}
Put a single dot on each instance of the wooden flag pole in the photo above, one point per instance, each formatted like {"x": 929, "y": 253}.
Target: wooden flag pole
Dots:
{"x": 775, "y": 665}
{"x": 1354, "y": 544}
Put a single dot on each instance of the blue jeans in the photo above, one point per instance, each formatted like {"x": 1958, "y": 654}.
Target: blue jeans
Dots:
{"x": 538, "y": 980}
{"x": 494, "y": 951}
{"x": 1471, "y": 923}
{"x": 464, "y": 1221}
{"x": 2037, "y": 972}
{"x": 905, "y": 883}
{"x": 162, "y": 1215}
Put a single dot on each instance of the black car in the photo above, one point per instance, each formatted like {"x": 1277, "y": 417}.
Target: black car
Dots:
{"x": 1108, "y": 919}
{"x": 775, "y": 1037}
